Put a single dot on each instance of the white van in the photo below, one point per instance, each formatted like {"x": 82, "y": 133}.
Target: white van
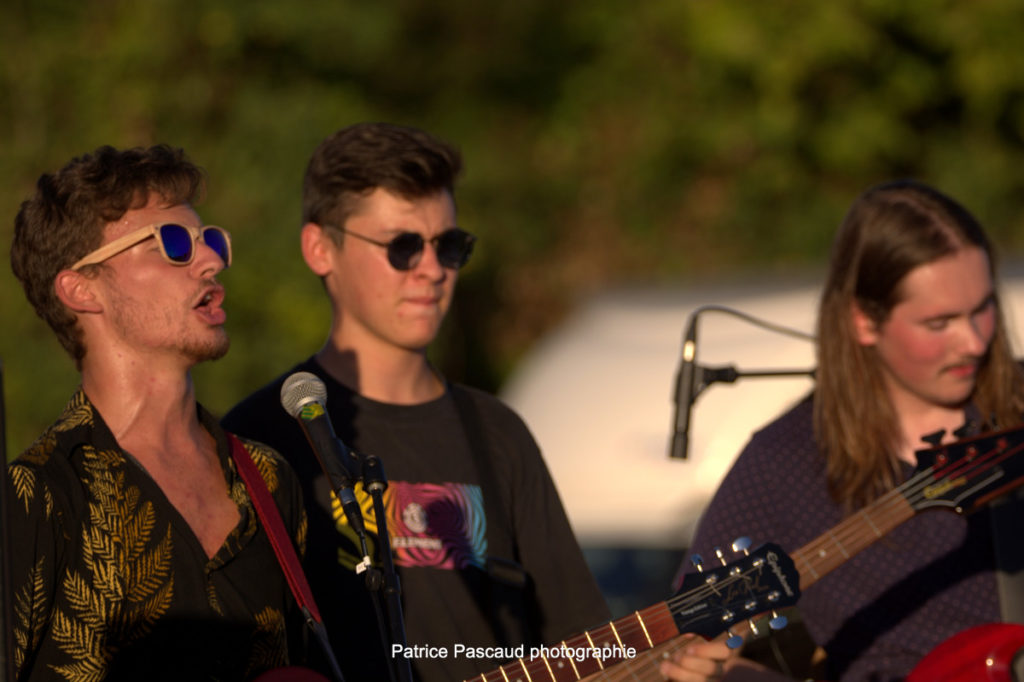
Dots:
{"x": 598, "y": 395}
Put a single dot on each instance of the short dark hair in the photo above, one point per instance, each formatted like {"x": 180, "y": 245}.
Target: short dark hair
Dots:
{"x": 360, "y": 158}
{"x": 65, "y": 218}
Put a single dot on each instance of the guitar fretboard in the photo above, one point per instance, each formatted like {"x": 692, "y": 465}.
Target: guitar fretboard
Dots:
{"x": 575, "y": 658}
{"x": 835, "y": 547}
{"x": 963, "y": 477}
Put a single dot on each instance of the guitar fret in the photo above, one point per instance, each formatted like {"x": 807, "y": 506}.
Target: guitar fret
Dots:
{"x": 616, "y": 633}
{"x": 571, "y": 662}
{"x": 548, "y": 666}
{"x": 523, "y": 666}
{"x": 867, "y": 518}
{"x": 643, "y": 626}
{"x": 838, "y": 544}
{"x": 502, "y": 669}
{"x": 599, "y": 663}
{"x": 809, "y": 567}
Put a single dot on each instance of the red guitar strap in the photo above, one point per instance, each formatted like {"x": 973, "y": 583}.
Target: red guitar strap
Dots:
{"x": 270, "y": 517}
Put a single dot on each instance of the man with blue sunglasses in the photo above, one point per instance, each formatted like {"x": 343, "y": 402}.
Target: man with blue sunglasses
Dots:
{"x": 138, "y": 555}
{"x": 486, "y": 556}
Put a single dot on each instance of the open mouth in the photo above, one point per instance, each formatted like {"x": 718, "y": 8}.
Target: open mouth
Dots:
{"x": 209, "y": 303}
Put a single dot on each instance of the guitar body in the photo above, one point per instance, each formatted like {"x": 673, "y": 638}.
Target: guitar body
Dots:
{"x": 980, "y": 654}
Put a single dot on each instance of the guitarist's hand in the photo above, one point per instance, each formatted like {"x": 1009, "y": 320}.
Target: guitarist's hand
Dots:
{"x": 697, "y": 660}
{"x": 702, "y": 661}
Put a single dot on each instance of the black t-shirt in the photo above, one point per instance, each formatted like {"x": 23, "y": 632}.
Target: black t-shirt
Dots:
{"x": 438, "y": 529}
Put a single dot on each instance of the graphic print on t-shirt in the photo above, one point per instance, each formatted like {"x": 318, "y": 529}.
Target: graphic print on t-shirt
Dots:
{"x": 439, "y": 525}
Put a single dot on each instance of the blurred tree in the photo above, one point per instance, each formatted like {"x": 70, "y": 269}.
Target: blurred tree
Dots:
{"x": 664, "y": 142}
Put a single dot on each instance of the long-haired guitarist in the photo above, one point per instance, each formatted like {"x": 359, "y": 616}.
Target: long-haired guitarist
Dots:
{"x": 912, "y": 350}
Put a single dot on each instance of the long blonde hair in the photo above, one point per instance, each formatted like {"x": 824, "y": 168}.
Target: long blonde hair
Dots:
{"x": 890, "y": 230}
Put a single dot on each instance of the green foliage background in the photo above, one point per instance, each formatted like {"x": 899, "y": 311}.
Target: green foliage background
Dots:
{"x": 660, "y": 141}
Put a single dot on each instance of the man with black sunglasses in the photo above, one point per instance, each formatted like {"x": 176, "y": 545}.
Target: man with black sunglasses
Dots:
{"x": 483, "y": 547}
{"x": 137, "y": 552}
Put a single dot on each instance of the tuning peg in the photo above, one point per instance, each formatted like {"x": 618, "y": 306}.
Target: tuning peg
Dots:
{"x": 753, "y": 627}
{"x": 741, "y": 544}
{"x": 734, "y": 641}
{"x": 721, "y": 555}
{"x": 777, "y": 621}
{"x": 698, "y": 562}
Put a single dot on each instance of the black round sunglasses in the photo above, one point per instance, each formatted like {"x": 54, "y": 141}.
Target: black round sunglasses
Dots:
{"x": 453, "y": 247}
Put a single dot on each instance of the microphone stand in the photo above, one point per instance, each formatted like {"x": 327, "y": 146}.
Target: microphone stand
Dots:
{"x": 728, "y": 374}
{"x": 383, "y": 582}
{"x": 303, "y": 396}
{"x": 693, "y": 378}
{"x": 377, "y": 581}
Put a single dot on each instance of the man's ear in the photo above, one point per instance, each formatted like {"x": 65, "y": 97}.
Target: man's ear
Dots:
{"x": 75, "y": 290}
{"x": 865, "y": 330}
{"x": 317, "y": 249}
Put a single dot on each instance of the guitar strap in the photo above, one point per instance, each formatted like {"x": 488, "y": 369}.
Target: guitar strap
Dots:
{"x": 507, "y": 578}
{"x": 1007, "y": 515}
{"x": 284, "y": 550}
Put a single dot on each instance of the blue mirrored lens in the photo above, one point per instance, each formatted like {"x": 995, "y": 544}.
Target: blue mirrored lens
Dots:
{"x": 177, "y": 242}
{"x": 216, "y": 240}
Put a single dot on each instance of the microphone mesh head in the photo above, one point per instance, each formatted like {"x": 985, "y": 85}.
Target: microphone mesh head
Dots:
{"x": 299, "y": 389}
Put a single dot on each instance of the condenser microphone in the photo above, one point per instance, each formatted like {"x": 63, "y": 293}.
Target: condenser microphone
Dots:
{"x": 304, "y": 397}
{"x": 685, "y": 380}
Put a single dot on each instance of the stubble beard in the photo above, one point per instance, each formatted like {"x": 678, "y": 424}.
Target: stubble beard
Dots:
{"x": 212, "y": 349}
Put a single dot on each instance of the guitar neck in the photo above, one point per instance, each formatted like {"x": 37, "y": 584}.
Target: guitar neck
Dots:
{"x": 960, "y": 477}
{"x": 833, "y": 548}
{"x": 574, "y": 658}
{"x": 813, "y": 561}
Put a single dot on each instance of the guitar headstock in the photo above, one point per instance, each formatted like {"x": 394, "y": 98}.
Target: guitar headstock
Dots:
{"x": 967, "y": 474}
{"x": 716, "y": 598}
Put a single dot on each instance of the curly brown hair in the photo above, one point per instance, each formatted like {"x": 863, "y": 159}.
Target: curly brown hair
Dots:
{"x": 358, "y": 159}
{"x": 65, "y": 218}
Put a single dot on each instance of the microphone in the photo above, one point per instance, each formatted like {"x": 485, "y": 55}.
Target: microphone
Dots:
{"x": 304, "y": 396}
{"x": 685, "y": 380}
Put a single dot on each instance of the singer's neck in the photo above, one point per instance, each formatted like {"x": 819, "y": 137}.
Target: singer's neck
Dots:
{"x": 143, "y": 402}
{"x": 399, "y": 378}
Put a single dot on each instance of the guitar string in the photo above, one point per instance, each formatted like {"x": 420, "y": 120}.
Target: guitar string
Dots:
{"x": 631, "y": 627}
{"x": 890, "y": 510}
{"x": 626, "y": 630}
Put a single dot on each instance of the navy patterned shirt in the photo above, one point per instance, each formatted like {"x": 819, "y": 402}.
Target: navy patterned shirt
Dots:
{"x": 883, "y": 609}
